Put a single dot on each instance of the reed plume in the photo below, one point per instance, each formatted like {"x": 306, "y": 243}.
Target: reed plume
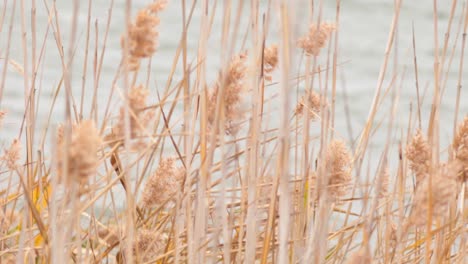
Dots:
{"x": 460, "y": 147}
{"x": 162, "y": 184}
{"x": 270, "y": 61}
{"x": 338, "y": 163}
{"x": 316, "y": 38}
{"x": 442, "y": 190}
{"x": 234, "y": 87}
{"x": 147, "y": 245}
{"x": 460, "y": 142}
{"x": 81, "y": 153}
{"x": 139, "y": 119}
{"x": 263, "y": 184}
{"x": 311, "y": 101}
{"x": 12, "y": 155}
{"x": 418, "y": 152}
{"x": 143, "y": 34}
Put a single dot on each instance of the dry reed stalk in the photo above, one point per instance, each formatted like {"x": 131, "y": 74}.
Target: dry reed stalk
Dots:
{"x": 335, "y": 70}
{"x": 460, "y": 71}
{"x": 253, "y": 163}
{"x": 434, "y": 125}
{"x": 365, "y": 136}
{"x": 99, "y": 62}
{"x": 195, "y": 248}
{"x": 286, "y": 59}
{"x": 29, "y": 118}
{"x": 446, "y": 70}
{"x": 7, "y": 50}
{"x": 180, "y": 203}
{"x": 239, "y": 242}
{"x": 85, "y": 61}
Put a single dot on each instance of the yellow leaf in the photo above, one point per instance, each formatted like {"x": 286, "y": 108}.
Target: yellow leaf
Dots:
{"x": 38, "y": 240}
{"x": 41, "y": 196}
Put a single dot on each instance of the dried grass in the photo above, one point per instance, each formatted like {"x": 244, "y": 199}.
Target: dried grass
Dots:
{"x": 255, "y": 194}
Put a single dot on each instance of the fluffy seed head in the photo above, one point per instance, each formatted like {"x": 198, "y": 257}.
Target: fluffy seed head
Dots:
{"x": 162, "y": 184}
{"x": 454, "y": 170}
{"x": 338, "y": 167}
{"x": 310, "y": 100}
{"x": 157, "y": 6}
{"x": 138, "y": 118}
{"x": 143, "y": 34}
{"x": 12, "y": 155}
{"x": 81, "y": 153}
{"x": 316, "y": 38}
{"x": 442, "y": 190}
{"x": 232, "y": 99}
{"x": 338, "y": 163}
{"x": 147, "y": 245}
{"x": 270, "y": 61}
{"x": 460, "y": 147}
{"x": 418, "y": 153}
{"x": 460, "y": 142}
{"x": 133, "y": 63}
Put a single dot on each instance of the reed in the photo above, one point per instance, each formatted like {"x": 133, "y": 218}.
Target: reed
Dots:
{"x": 250, "y": 167}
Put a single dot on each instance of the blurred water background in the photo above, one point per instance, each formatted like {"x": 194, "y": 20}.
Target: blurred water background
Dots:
{"x": 364, "y": 29}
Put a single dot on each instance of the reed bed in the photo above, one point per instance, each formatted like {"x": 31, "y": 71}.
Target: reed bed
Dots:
{"x": 248, "y": 168}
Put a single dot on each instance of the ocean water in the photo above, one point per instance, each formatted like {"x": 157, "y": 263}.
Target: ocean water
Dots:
{"x": 363, "y": 33}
